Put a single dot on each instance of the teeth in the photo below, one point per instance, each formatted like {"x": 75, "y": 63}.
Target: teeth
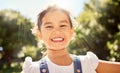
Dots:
{"x": 57, "y": 39}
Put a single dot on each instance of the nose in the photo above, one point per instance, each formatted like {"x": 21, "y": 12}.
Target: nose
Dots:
{"x": 57, "y": 30}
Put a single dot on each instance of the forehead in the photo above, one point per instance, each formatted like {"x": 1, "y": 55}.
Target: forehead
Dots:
{"x": 55, "y": 15}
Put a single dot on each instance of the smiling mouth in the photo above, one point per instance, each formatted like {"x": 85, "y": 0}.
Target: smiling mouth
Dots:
{"x": 59, "y": 39}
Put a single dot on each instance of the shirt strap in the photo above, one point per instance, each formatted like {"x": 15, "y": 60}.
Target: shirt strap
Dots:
{"x": 77, "y": 65}
{"x": 43, "y": 66}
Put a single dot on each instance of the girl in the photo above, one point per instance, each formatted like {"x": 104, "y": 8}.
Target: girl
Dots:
{"x": 55, "y": 28}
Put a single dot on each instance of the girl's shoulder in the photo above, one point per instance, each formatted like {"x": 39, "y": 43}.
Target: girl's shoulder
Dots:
{"x": 29, "y": 66}
{"x": 90, "y": 56}
{"x": 89, "y": 62}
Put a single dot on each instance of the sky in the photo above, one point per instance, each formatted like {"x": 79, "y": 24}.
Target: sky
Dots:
{"x": 31, "y": 8}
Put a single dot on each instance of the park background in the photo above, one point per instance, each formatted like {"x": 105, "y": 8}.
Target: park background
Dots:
{"x": 98, "y": 30}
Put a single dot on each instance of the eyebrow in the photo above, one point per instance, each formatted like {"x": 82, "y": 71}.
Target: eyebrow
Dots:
{"x": 61, "y": 21}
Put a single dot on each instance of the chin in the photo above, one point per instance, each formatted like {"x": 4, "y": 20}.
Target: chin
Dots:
{"x": 57, "y": 48}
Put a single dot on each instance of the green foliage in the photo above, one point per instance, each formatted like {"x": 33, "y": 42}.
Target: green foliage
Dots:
{"x": 15, "y": 68}
{"x": 31, "y": 51}
{"x": 15, "y": 34}
{"x": 110, "y": 19}
{"x": 98, "y": 30}
{"x": 114, "y": 47}
{"x": 88, "y": 33}
{"x": 110, "y": 14}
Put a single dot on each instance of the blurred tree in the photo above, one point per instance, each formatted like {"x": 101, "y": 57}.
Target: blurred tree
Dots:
{"x": 110, "y": 19}
{"x": 110, "y": 15}
{"x": 98, "y": 30}
{"x": 88, "y": 32}
{"x": 15, "y": 33}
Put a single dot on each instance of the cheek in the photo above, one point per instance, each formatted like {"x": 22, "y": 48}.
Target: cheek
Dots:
{"x": 68, "y": 37}
{"x": 45, "y": 36}
{"x": 70, "y": 34}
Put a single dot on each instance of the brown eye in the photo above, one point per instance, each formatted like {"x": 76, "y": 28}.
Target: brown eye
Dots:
{"x": 49, "y": 27}
{"x": 63, "y": 25}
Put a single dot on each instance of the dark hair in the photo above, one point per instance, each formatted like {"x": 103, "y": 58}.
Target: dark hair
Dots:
{"x": 51, "y": 8}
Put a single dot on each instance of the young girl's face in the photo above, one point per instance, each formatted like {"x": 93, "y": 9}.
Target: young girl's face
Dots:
{"x": 56, "y": 31}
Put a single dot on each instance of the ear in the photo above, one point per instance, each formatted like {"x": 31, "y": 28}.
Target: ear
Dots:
{"x": 39, "y": 34}
{"x": 36, "y": 32}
